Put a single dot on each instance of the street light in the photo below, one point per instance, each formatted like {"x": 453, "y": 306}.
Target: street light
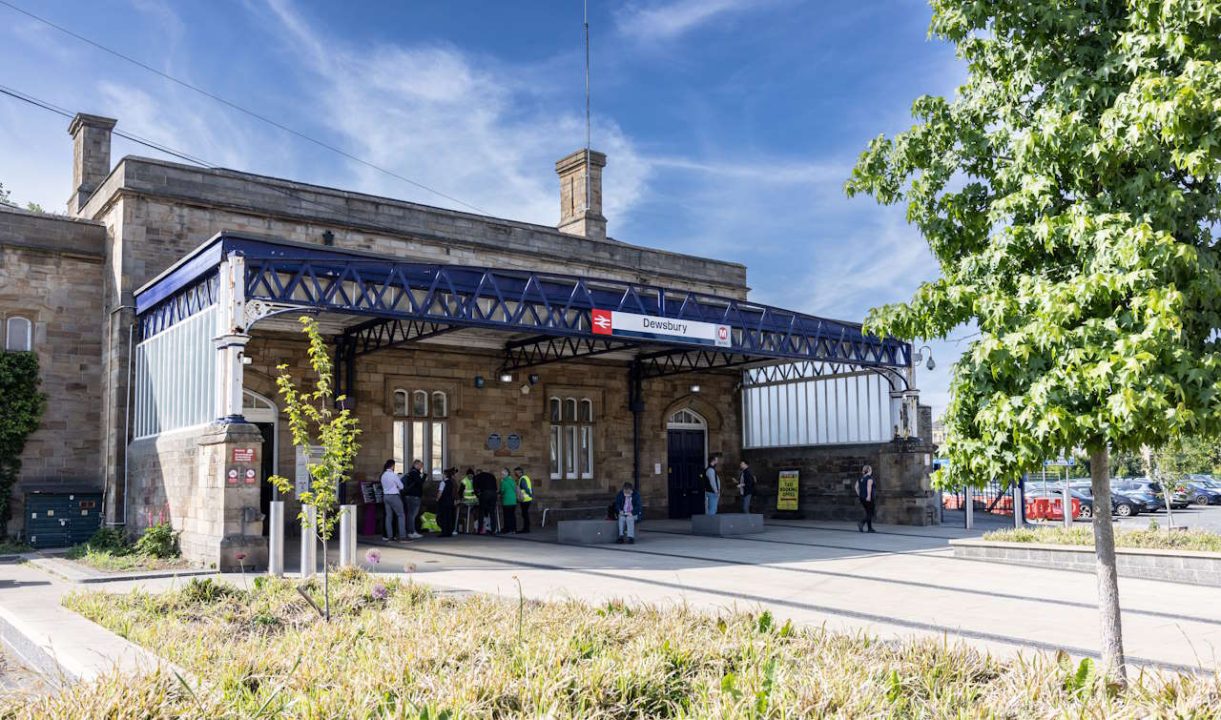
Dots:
{"x": 919, "y": 357}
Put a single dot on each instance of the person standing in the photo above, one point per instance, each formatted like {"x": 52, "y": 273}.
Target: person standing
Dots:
{"x": 746, "y": 485}
{"x": 627, "y": 507}
{"x": 445, "y": 502}
{"x": 865, "y": 491}
{"x": 413, "y": 493}
{"x": 508, "y": 501}
{"x": 485, "y": 489}
{"x": 712, "y": 486}
{"x": 525, "y": 496}
{"x": 470, "y": 501}
{"x": 393, "y": 502}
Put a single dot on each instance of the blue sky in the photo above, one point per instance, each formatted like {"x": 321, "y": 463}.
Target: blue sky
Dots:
{"x": 730, "y": 125}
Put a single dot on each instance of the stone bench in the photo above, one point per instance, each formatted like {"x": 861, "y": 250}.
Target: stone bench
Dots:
{"x": 586, "y": 532}
{"x": 723, "y": 524}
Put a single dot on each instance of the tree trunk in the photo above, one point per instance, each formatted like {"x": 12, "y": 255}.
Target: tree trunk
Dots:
{"x": 1114, "y": 665}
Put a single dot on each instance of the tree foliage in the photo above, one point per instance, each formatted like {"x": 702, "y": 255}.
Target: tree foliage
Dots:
{"x": 314, "y": 422}
{"x": 23, "y": 405}
{"x": 1069, "y": 192}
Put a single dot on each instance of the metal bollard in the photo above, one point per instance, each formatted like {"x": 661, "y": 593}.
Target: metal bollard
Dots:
{"x": 309, "y": 542}
{"x": 347, "y": 535}
{"x": 968, "y": 504}
{"x": 275, "y": 539}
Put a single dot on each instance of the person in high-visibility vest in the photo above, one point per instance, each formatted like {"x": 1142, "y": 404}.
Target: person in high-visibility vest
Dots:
{"x": 525, "y": 496}
{"x": 470, "y": 499}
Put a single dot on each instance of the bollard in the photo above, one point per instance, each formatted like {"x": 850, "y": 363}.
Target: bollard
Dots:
{"x": 309, "y": 541}
{"x": 275, "y": 539}
{"x": 347, "y": 535}
{"x": 968, "y": 504}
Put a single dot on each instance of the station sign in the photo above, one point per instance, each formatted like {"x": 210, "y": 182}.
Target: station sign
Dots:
{"x": 621, "y": 324}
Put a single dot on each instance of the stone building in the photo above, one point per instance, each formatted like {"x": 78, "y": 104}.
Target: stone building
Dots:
{"x": 163, "y": 303}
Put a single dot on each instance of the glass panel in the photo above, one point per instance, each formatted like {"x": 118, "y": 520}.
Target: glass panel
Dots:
{"x": 555, "y": 410}
{"x": 570, "y": 410}
{"x": 419, "y": 403}
{"x": 570, "y": 452}
{"x": 587, "y": 452}
{"x": 400, "y": 402}
{"x": 418, "y": 448}
{"x": 436, "y": 458}
{"x": 555, "y": 449}
{"x": 440, "y": 408}
{"x": 400, "y": 440}
{"x": 587, "y": 410}
{"x": 17, "y": 336}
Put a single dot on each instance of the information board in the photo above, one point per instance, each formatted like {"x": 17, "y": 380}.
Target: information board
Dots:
{"x": 786, "y": 490}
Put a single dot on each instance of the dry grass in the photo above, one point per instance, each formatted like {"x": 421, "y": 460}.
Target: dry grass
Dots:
{"x": 412, "y": 654}
{"x": 1151, "y": 539}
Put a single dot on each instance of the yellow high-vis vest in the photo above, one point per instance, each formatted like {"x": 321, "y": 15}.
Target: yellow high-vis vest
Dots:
{"x": 525, "y": 489}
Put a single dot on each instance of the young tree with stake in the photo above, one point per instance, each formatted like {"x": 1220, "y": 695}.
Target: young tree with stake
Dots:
{"x": 1069, "y": 192}
{"x": 313, "y": 421}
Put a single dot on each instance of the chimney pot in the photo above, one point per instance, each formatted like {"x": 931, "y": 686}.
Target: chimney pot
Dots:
{"x": 90, "y": 156}
{"x": 580, "y": 215}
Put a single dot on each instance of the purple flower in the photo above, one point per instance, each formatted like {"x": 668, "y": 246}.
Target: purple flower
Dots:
{"x": 379, "y": 592}
{"x": 373, "y": 556}
{"x": 240, "y": 556}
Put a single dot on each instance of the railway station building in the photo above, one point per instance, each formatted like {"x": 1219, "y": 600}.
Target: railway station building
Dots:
{"x": 162, "y": 303}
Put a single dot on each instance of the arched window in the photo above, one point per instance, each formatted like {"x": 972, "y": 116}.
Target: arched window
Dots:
{"x": 686, "y": 419}
{"x": 423, "y": 433}
{"x": 419, "y": 403}
{"x": 18, "y": 334}
{"x": 400, "y": 403}
{"x": 440, "y": 408}
{"x": 572, "y": 438}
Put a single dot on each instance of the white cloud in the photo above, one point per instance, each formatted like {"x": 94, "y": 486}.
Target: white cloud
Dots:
{"x": 668, "y": 20}
{"x": 463, "y": 125}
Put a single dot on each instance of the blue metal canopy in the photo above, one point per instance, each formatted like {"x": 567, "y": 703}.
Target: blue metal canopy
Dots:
{"x": 408, "y": 301}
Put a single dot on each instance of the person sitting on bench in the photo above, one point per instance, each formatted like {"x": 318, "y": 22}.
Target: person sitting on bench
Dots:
{"x": 627, "y": 504}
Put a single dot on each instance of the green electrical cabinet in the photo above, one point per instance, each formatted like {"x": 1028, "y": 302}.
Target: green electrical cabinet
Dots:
{"x": 59, "y": 518}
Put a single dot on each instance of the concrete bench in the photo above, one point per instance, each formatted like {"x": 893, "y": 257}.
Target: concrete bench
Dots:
{"x": 586, "y": 532}
{"x": 723, "y": 524}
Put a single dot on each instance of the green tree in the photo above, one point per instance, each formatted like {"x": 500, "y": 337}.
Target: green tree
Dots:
{"x": 5, "y": 197}
{"x": 1069, "y": 191}
{"x": 22, "y": 407}
{"x": 314, "y": 422}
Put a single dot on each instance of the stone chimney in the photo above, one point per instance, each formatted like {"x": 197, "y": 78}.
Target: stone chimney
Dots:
{"x": 90, "y": 157}
{"x": 578, "y": 217}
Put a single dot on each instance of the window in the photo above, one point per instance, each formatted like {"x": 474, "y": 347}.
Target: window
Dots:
{"x": 19, "y": 334}
{"x": 571, "y": 453}
{"x": 423, "y": 433}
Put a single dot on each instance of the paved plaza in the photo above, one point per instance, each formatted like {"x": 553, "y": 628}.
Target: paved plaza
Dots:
{"x": 900, "y": 581}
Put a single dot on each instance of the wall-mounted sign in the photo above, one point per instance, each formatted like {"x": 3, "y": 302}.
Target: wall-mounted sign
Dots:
{"x": 787, "y": 490}
{"x": 243, "y": 455}
{"x": 613, "y": 322}
{"x": 493, "y": 441}
{"x": 514, "y": 442}
{"x": 231, "y": 477}
{"x": 250, "y": 478}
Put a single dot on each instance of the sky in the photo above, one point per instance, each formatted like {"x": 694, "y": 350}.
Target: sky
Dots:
{"x": 730, "y": 126}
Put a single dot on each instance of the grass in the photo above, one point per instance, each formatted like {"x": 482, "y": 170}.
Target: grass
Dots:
{"x": 9, "y": 546}
{"x": 396, "y": 650}
{"x": 1152, "y": 539}
{"x": 120, "y": 561}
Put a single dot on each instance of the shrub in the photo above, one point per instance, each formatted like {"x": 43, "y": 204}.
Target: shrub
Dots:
{"x": 109, "y": 540}
{"x": 205, "y": 591}
{"x": 159, "y": 541}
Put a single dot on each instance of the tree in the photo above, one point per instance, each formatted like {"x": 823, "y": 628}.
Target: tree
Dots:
{"x": 314, "y": 422}
{"x": 5, "y": 196}
{"x": 23, "y": 408}
{"x": 1069, "y": 192}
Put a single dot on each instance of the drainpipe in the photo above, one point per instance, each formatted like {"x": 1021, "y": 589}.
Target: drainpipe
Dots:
{"x": 107, "y": 459}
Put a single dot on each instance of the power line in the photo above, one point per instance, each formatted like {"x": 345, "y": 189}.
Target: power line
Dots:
{"x": 239, "y": 108}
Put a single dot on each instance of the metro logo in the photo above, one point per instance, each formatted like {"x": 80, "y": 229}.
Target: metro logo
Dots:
{"x": 722, "y": 334}
{"x": 600, "y": 322}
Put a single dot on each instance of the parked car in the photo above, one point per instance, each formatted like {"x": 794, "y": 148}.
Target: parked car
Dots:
{"x": 1051, "y": 492}
{"x": 1121, "y": 504}
{"x": 1202, "y": 494}
{"x": 1139, "y": 491}
{"x": 1179, "y": 499}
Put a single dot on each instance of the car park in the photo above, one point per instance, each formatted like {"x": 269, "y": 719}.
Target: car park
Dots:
{"x": 1055, "y": 492}
{"x": 1202, "y": 494}
{"x": 1139, "y": 491}
{"x": 1121, "y": 504}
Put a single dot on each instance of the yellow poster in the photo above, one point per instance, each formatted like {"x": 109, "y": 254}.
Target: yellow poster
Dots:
{"x": 786, "y": 493}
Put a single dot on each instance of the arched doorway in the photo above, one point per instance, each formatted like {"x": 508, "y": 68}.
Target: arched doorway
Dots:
{"x": 262, "y": 412}
{"x": 686, "y": 454}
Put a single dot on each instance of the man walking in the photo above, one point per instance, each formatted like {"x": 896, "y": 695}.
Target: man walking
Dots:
{"x": 413, "y": 492}
{"x": 393, "y": 502}
{"x": 627, "y": 507}
{"x": 746, "y": 485}
{"x": 525, "y": 496}
{"x": 712, "y": 485}
{"x": 864, "y": 491}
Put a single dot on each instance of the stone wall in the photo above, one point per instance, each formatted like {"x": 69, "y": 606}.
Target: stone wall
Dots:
{"x": 50, "y": 269}
{"x": 828, "y": 473}
{"x": 1180, "y": 566}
